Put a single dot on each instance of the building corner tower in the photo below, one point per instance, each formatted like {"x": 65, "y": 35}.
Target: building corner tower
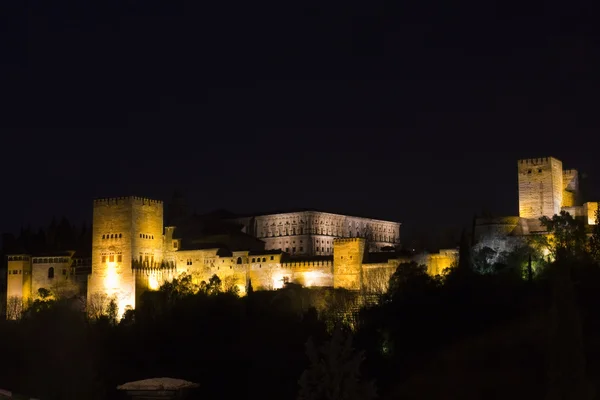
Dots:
{"x": 126, "y": 233}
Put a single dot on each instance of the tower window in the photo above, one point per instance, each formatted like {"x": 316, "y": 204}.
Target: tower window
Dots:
{"x": 50, "y": 272}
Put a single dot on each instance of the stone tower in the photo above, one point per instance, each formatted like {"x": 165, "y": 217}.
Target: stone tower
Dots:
{"x": 540, "y": 187}
{"x": 126, "y": 233}
{"x": 18, "y": 285}
{"x": 348, "y": 255}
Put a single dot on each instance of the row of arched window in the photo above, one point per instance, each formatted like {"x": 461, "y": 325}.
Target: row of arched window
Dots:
{"x": 112, "y": 236}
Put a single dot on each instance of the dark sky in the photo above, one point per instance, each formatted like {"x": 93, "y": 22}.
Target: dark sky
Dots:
{"x": 413, "y": 111}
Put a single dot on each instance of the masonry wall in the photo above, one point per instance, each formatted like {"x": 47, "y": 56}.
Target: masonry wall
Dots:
{"x": 348, "y": 255}
{"x": 19, "y": 277}
{"x": 540, "y": 187}
{"x": 126, "y": 230}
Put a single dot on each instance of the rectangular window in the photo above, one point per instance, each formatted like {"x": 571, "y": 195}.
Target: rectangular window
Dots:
{"x": 103, "y": 258}
{"x": 111, "y": 258}
{"x": 119, "y": 258}
{"x": 301, "y": 248}
{"x": 293, "y": 249}
{"x": 175, "y": 244}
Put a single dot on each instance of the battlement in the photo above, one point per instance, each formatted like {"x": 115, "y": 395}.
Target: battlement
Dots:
{"x": 308, "y": 264}
{"x": 104, "y": 201}
{"x": 569, "y": 172}
{"x": 536, "y": 161}
{"x": 346, "y": 240}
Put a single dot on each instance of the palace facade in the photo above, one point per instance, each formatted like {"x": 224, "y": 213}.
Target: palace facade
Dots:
{"x": 132, "y": 251}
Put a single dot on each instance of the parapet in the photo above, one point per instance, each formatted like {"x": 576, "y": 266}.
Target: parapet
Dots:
{"x": 346, "y": 240}
{"x": 537, "y": 161}
{"x": 308, "y": 264}
{"x": 105, "y": 201}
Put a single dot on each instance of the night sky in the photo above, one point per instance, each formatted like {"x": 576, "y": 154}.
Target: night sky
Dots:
{"x": 411, "y": 111}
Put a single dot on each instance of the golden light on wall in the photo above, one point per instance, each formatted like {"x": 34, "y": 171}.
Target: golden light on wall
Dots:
{"x": 111, "y": 281}
{"x": 278, "y": 281}
{"x": 153, "y": 283}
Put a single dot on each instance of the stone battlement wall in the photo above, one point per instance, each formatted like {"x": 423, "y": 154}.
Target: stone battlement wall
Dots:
{"x": 123, "y": 199}
{"x": 319, "y": 264}
{"x": 535, "y": 161}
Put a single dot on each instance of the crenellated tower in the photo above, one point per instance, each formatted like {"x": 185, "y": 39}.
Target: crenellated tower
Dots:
{"x": 540, "y": 187}
{"x": 127, "y": 233}
{"x": 348, "y": 256}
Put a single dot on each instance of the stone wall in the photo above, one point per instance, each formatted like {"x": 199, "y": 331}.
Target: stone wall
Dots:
{"x": 589, "y": 210}
{"x": 570, "y": 188}
{"x": 540, "y": 187}
{"x": 19, "y": 278}
{"x": 125, "y": 230}
{"x": 348, "y": 257}
{"x": 312, "y": 232}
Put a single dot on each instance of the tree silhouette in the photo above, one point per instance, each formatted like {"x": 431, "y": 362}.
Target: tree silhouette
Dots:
{"x": 334, "y": 372}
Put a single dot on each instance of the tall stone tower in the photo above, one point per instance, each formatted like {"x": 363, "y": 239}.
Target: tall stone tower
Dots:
{"x": 348, "y": 255}
{"x": 126, "y": 233}
{"x": 540, "y": 187}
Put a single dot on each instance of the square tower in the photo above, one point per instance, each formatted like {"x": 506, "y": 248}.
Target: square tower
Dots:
{"x": 540, "y": 187}
{"x": 18, "y": 293}
{"x": 126, "y": 233}
{"x": 348, "y": 256}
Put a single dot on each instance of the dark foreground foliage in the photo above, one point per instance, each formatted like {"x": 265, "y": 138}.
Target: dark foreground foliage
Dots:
{"x": 505, "y": 331}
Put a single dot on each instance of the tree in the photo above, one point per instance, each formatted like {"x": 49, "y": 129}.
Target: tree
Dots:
{"x": 410, "y": 278}
{"x": 14, "y": 307}
{"x": 566, "y": 236}
{"x": 334, "y": 372}
{"x": 96, "y": 305}
{"x": 230, "y": 285}
{"x": 249, "y": 288}
{"x": 595, "y": 239}
{"x": 566, "y": 360}
{"x": 213, "y": 286}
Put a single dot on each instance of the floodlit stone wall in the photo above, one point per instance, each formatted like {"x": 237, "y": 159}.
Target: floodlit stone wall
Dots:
{"x": 540, "y": 187}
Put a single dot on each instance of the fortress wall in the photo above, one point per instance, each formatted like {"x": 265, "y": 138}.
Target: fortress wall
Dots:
{"x": 540, "y": 187}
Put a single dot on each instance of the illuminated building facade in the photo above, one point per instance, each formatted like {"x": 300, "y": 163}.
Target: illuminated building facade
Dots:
{"x": 132, "y": 252}
{"x": 545, "y": 189}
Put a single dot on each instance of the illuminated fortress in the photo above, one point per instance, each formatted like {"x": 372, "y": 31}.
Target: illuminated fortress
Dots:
{"x": 545, "y": 189}
{"x": 132, "y": 251}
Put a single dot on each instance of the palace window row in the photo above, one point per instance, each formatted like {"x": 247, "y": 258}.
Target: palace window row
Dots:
{"x": 145, "y": 236}
{"x": 18, "y": 258}
{"x": 112, "y": 236}
{"x": 112, "y": 257}
{"x": 55, "y": 260}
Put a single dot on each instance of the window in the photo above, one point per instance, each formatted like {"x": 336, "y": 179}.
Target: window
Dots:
{"x": 50, "y": 272}
{"x": 103, "y": 259}
{"x": 175, "y": 244}
{"x": 239, "y": 260}
{"x": 119, "y": 258}
{"x": 272, "y": 258}
{"x": 287, "y": 249}
{"x": 111, "y": 258}
{"x": 254, "y": 260}
{"x": 301, "y": 248}
{"x": 264, "y": 259}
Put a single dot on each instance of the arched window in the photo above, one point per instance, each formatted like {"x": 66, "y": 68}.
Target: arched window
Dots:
{"x": 239, "y": 260}
{"x": 50, "y": 272}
